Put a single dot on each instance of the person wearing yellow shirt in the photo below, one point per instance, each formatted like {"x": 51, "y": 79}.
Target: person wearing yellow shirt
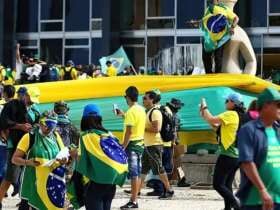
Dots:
{"x": 69, "y": 72}
{"x": 111, "y": 70}
{"x": 133, "y": 141}
{"x": 152, "y": 156}
{"x": 37, "y": 149}
{"x": 227, "y": 124}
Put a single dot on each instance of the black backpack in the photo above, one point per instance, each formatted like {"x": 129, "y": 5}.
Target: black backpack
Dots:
{"x": 167, "y": 130}
{"x": 67, "y": 74}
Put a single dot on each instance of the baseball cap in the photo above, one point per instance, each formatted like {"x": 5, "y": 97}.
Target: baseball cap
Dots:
{"x": 176, "y": 103}
{"x": 91, "y": 110}
{"x": 33, "y": 92}
{"x": 236, "y": 98}
{"x": 268, "y": 95}
{"x": 61, "y": 107}
{"x": 70, "y": 62}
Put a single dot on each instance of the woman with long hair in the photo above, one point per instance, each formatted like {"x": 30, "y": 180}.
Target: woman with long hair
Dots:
{"x": 101, "y": 159}
{"x": 227, "y": 124}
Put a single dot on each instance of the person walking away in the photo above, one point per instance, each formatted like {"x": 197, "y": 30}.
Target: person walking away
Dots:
{"x": 227, "y": 162}
{"x": 217, "y": 25}
{"x": 101, "y": 159}
{"x": 133, "y": 141}
{"x": 69, "y": 72}
{"x": 259, "y": 156}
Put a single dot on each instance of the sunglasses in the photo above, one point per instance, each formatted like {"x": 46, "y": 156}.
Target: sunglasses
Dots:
{"x": 228, "y": 101}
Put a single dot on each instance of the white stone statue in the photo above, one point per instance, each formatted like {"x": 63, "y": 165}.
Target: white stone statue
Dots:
{"x": 239, "y": 43}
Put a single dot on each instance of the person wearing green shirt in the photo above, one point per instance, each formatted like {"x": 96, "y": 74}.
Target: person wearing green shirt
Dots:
{"x": 259, "y": 158}
{"x": 227, "y": 124}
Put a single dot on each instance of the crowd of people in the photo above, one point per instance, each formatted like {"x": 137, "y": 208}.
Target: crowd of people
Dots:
{"x": 51, "y": 155}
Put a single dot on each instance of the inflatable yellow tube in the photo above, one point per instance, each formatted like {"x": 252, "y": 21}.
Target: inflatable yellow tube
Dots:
{"x": 115, "y": 86}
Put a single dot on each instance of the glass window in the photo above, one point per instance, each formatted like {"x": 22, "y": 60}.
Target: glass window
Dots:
{"x": 99, "y": 48}
{"x": 162, "y": 23}
{"x": 132, "y": 41}
{"x": 188, "y": 40}
{"x": 252, "y": 13}
{"x": 160, "y": 54}
{"x": 132, "y": 14}
{"x": 27, "y": 42}
{"x": 161, "y": 8}
{"x": 96, "y": 24}
{"x": 274, "y": 21}
{"x": 51, "y": 50}
{"x": 27, "y": 17}
{"x": 136, "y": 56}
{"x": 51, "y": 26}
{"x": 77, "y": 15}
{"x": 78, "y": 55}
{"x": 100, "y": 8}
{"x": 51, "y": 9}
{"x": 274, "y": 6}
{"x": 31, "y": 53}
{"x": 188, "y": 10}
{"x": 76, "y": 42}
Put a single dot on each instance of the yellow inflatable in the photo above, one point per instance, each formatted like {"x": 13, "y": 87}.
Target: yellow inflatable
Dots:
{"x": 115, "y": 86}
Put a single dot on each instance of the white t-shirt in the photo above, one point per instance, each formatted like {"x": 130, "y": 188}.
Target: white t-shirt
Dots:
{"x": 19, "y": 68}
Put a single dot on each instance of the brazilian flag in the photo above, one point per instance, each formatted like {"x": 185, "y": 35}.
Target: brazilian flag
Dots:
{"x": 44, "y": 186}
{"x": 103, "y": 160}
{"x": 215, "y": 26}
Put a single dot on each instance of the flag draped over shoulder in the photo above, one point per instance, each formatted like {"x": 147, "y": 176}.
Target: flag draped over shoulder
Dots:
{"x": 216, "y": 25}
{"x": 43, "y": 186}
{"x": 103, "y": 160}
{"x": 119, "y": 60}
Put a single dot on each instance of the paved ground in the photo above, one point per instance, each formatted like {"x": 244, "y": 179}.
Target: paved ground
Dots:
{"x": 185, "y": 199}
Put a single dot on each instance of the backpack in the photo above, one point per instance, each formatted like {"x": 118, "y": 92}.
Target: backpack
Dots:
{"x": 68, "y": 133}
{"x": 54, "y": 76}
{"x": 67, "y": 74}
{"x": 167, "y": 130}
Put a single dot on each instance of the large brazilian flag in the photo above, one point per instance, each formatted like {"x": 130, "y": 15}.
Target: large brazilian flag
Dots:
{"x": 44, "y": 186}
{"x": 215, "y": 26}
{"x": 103, "y": 160}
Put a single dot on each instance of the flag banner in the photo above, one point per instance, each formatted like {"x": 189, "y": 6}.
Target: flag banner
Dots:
{"x": 119, "y": 60}
{"x": 215, "y": 26}
{"x": 103, "y": 160}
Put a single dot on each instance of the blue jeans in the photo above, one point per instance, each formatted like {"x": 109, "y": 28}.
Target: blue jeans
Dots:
{"x": 134, "y": 164}
{"x": 167, "y": 159}
{"x": 276, "y": 207}
{"x": 3, "y": 161}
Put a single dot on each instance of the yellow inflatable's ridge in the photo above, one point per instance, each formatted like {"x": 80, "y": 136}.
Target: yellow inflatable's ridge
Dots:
{"x": 115, "y": 86}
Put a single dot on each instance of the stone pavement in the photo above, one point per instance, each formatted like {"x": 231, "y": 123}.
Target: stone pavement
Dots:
{"x": 184, "y": 199}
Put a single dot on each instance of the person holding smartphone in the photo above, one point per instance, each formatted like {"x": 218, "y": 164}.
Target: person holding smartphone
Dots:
{"x": 133, "y": 141}
{"x": 226, "y": 124}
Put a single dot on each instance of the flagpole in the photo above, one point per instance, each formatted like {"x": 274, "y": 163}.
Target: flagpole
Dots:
{"x": 134, "y": 70}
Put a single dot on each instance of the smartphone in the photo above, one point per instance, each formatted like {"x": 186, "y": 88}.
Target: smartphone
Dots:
{"x": 116, "y": 109}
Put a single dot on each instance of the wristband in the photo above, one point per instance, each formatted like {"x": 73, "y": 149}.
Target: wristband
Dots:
{"x": 204, "y": 108}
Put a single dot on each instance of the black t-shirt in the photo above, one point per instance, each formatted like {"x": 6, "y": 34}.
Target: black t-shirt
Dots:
{"x": 13, "y": 112}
